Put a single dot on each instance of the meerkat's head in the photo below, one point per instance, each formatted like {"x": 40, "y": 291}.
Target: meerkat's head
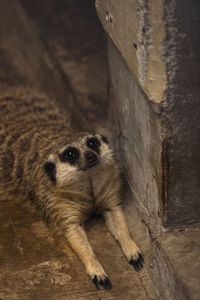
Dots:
{"x": 82, "y": 155}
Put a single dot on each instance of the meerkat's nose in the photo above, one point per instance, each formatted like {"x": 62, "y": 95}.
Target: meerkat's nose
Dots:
{"x": 91, "y": 157}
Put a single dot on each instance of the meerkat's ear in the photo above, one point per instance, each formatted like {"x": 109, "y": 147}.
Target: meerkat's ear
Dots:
{"x": 50, "y": 169}
{"x": 104, "y": 139}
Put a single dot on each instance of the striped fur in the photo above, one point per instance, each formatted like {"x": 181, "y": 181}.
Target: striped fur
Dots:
{"x": 36, "y": 142}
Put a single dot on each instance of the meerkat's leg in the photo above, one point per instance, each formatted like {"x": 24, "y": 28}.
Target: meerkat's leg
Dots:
{"x": 77, "y": 238}
{"x": 117, "y": 225}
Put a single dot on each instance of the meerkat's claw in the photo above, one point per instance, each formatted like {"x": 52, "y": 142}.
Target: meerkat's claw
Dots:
{"x": 138, "y": 263}
{"x": 105, "y": 282}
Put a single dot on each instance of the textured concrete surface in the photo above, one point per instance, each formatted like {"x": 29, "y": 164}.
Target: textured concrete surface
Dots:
{"x": 135, "y": 129}
{"x": 139, "y": 39}
{"x": 181, "y": 250}
{"x": 182, "y": 110}
{"x": 26, "y": 60}
{"x": 172, "y": 257}
{"x": 159, "y": 41}
{"x": 138, "y": 144}
{"x": 75, "y": 39}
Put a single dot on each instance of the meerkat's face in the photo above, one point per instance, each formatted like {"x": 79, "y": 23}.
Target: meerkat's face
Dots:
{"x": 82, "y": 155}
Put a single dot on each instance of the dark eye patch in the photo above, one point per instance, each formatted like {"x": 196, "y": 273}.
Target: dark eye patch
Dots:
{"x": 50, "y": 169}
{"x": 71, "y": 155}
{"x": 93, "y": 143}
{"x": 104, "y": 139}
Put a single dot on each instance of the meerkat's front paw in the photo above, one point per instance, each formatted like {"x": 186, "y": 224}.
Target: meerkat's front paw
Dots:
{"x": 102, "y": 280}
{"x": 133, "y": 255}
{"x": 137, "y": 263}
{"x": 98, "y": 275}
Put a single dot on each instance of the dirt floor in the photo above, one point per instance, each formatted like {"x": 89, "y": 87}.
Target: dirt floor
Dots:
{"x": 34, "y": 265}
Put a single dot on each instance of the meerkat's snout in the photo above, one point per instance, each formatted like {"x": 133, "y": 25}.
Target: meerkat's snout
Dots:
{"x": 90, "y": 157}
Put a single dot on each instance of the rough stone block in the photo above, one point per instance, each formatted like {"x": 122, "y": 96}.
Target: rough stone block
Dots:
{"x": 158, "y": 140}
{"x": 137, "y": 28}
{"x": 136, "y": 130}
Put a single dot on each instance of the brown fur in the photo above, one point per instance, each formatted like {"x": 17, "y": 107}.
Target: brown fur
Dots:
{"x": 34, "y": 134}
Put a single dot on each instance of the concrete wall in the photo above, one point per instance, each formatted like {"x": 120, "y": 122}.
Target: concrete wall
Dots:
{"x": 135, "y": 129}
{"x": 138, "y": 29}
{"x": 154, "y": 85}
{"x": 182, "y": 110}
{"x": 26, "y": 61}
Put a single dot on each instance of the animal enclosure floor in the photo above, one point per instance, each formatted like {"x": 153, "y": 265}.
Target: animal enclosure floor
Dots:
{"x": 34, "y": 265}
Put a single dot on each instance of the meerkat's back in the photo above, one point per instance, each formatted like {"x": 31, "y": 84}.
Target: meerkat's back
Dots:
{"x": 30, "y": 126}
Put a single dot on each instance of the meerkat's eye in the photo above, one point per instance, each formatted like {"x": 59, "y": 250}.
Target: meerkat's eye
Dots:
{"x": 93, "y": 143}
{"x": 71, "y": 154}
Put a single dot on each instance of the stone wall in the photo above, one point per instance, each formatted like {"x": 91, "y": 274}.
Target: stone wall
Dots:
{"x": 135, "y": 130}
{"x": 181, "y": 109}
{"x": 154, "y": 107}
{"x": 26, "y": 61}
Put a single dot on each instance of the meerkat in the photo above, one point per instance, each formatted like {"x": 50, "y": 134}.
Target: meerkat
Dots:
{"x": 68, "y": 176}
